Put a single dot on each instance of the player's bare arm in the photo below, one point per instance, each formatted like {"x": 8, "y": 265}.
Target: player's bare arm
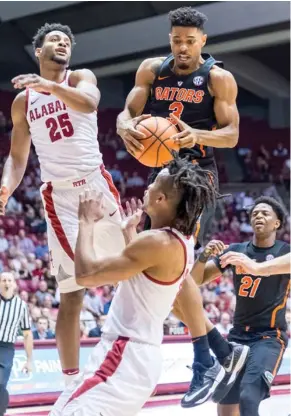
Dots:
{"x": 205, "y": 269}
{"x": 224, "y": 90}
{"x": 279, "y": 265}
{"x": 150, "y": 251}
{"x": 135, "y": 103}
{"x": 82, "y": 95}
{"x": 16, "y": 162}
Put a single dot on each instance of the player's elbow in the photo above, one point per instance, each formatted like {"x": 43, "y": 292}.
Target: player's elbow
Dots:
{"x": 91, "y": 105}
{"x": 233, "y": 138}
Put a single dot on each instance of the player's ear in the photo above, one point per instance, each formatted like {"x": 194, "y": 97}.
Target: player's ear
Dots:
{"x": 37, "y": 52}
{"x": 277, "y": 224}
{"x": 204, "y": 39}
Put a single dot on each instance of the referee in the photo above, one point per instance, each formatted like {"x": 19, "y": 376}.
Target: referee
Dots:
{"x": 13, "y": 315}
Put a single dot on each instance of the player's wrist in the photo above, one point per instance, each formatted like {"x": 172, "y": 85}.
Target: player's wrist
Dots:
{"x": 204, "y": 256}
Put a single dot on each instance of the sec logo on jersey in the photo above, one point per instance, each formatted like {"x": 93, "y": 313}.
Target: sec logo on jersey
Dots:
{"x": 198, "y": 81}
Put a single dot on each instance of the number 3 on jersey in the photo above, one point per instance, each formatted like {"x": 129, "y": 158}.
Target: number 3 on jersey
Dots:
{"x": 247, "y": 283}
{"x": 60, "y": 127}
{"x": 177, "y": 109}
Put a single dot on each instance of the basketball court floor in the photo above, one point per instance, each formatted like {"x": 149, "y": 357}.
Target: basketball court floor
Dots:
{"x": 278, "y": 405}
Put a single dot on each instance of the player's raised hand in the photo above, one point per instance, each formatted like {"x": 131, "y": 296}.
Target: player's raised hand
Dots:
{"x": 131, "y": 216}
{"x": 187, "y": 137}
{"x": 213, "y": 248}
{"x": 91, "y": 206}
{"x": 4, "y": 195}
{"x": 130, "y": 135}
{"x": 239, "y": 259}
{"x": 33, "y": 81}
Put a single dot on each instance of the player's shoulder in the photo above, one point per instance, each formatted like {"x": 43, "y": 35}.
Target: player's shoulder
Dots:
{"x": 282, "y": 247}
{"x": 20, "y": 102}
{"x": 157, "y": 240}
{"x": 83, "y": 74}
{"x": 152, "y": 64}
{"x": 221, "y": 78}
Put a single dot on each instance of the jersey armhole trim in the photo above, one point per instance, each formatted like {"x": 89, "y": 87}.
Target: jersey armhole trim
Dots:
{"x": 152, "y": 279}
{"x": 26, "y": 100}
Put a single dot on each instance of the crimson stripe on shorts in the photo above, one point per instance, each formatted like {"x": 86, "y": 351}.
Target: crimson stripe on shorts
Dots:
{"x": 106, "y": 175}
{"x": 106, "y": 370}
{"x": 55, "y": 221}
{"x": 185, "y": 264}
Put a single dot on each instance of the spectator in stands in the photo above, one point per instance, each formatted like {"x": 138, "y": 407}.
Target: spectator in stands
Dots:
{"x": 263, "y": 169}
{"x": 24, "y": 296}
{"x": 42, "y": 330}
{"x": 41, "y": 249}
{"x": 264, "y": 153}
{"x": 3, "y": 241}
{"x": 38, "y": 269}
{"x": 87, "y": 319}
{"x": 107, "y": 296}
{"x": 245, "y": 226}
{"x": 248, "y": 166}
{"x": 13, "y": 207}
{"x": 29, "y": 216}
{"x": 93, "y": 302}
{"x": 116, "y": 174}
{"x": 212, "y": 312}
{"x": 235, "y": 225}
{"x": 96, "y": 331}
{"x": 285, "y": 174}
{"x": 280, "y": 150}
{"x": 26, "y": 245}
{"x": 50, "y": 316}
{"x": 31, "y": 261}
{"x": 135, "y": 181}
{"x": 42, "y": 293}
{"x": 224, "y": 325}
{"x": 35, "y": 313}
{"x": 39, "y": 224}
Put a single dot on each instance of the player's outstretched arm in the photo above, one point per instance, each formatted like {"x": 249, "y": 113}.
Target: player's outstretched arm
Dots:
{"x": 205, "y": 269}
{"x": 279, "y": 265}
{"x": 135, "y": 103}
{"x": 16, "y": 162}
{"x": 224, "y": 90}
{"x": 82, "y": 95}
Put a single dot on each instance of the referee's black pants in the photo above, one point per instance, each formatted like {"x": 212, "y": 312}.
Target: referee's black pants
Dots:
{"x": 6, "y": 363}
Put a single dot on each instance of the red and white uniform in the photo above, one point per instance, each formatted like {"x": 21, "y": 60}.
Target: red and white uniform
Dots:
{"x": 70, "y": 161}
{"x": 124, "y": 368}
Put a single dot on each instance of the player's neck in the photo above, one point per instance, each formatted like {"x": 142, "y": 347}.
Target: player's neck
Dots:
{"x": 158, "y": 222}
{"x": 263, "y": 241}
{"x": 194, "y": 67}
{"x": 53, "y": 74}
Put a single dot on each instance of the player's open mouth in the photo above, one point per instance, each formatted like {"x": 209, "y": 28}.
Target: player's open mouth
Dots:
{"x": 259, "y": 223}
{"x": 61, "y": 51}
{"x": 183, "y": 58}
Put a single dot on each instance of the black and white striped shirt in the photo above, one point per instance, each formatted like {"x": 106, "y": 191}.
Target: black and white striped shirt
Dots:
{"x": 13, "y": 315}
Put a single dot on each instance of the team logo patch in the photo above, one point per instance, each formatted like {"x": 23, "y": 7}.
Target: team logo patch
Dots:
{"x": 198, "y": 81}
{"x": 269, "y": 376}
{"x": 270, "y": 257}
{"x": 180, "y": 83}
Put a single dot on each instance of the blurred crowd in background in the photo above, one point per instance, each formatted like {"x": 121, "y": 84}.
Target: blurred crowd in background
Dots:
{"x": 24, "y": 247}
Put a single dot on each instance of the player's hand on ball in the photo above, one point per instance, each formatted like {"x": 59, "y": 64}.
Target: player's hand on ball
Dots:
{"x": 33, "y": 81}
{"x": 187, "y": 137}
{"x": 239, "y": 259}
{"x": 132, "y": 215}
{"x": 4, "y": 195}
{"x": 91, "y": 206}
{"x": 130, "y": 135}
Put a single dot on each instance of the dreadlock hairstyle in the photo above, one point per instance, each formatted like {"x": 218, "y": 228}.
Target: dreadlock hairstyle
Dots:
{"x": 197, "y": 191}
{"x": 187, "y": 16}
{"x": 276, "y": 206}
{"x": 50, "y": 27}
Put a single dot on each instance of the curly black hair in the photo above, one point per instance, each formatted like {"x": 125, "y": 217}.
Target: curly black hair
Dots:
{"x": 187, "y": 16}
{"x": 40, "y": 35}
{"x": 197, "y": 192}
{"x": 276, "y": 206}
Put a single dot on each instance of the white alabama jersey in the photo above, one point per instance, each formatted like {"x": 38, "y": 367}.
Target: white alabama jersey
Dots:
{"x": 65, "y": 140}
{"x": 141, "y": 304}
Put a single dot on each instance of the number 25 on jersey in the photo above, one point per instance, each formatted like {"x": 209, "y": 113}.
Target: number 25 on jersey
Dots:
{"x": 59, "y": 127}
{"x": 249, "y": 286}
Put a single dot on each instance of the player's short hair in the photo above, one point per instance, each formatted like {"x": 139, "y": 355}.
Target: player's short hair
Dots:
{"x": 187, "y": 16}
{"x": 276, "y": 206}
{"x": 38, "y": 38}
{"x": 196, "y": 192}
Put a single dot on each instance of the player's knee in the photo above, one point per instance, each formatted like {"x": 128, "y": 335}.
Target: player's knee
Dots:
{"x": 249, "y": 400}
{"x": 72, "y": 302}
{"x": 228, "y": 410}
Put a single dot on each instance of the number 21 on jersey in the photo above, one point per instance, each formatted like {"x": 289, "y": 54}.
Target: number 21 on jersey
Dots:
{"x": 249, "y": 286}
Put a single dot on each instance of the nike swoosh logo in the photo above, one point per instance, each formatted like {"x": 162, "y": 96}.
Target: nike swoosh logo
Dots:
{"x": 228, "y": 368}
{"x": 111, "y": 215}
{"x": 32, "y": 102}
{"x": 189, "y": 397}
{"x": 161, "y": 78}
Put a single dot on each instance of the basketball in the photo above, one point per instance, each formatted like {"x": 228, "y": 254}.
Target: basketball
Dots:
{"x": 157, "y": 142}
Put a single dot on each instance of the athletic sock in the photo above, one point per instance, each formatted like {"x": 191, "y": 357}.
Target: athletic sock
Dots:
{"x": 201, "y": 351}
{"x": 219, "y": 345}
{"x": 69, "y": 375}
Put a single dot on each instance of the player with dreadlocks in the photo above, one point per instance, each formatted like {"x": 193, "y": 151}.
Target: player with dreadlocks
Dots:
{"x": 150, "y": 271}
{"x": 58, "y": 111}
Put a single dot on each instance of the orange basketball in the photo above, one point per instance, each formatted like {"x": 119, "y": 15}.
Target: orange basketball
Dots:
{"x": 157, "y": 142}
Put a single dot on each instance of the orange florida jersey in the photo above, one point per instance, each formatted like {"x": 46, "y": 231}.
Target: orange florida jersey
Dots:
{"x": 65, "y": 140}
